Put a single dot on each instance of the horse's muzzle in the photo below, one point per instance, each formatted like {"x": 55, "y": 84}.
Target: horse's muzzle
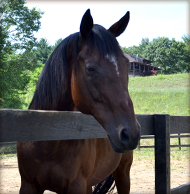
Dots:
{"x": 125, "y": 141}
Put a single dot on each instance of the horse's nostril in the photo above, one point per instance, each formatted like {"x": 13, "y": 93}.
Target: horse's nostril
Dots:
{"x": 125, "y": 136}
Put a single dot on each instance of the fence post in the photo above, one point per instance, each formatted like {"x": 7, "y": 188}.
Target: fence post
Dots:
{"x": 162, "y": 154}
{"x": 179, "y": 141}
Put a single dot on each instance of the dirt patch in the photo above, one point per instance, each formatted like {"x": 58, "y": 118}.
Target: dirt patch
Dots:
{"x": 142, "y": 176}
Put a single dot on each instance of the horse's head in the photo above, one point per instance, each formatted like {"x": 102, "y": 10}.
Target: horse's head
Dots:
{"x": 100, "y": 83}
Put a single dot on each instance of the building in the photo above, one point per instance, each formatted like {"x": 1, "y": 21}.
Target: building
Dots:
{"x": 141, "y": 67}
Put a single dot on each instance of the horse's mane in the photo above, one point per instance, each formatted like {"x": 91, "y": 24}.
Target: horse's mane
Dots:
{"x": 52, "y": 90}
{"x": 52, "y": 84}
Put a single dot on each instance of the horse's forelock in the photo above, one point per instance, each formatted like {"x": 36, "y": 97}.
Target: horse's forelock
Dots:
{"x": 104, "y": 41}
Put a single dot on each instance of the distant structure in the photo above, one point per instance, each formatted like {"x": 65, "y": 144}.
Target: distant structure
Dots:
{"x": 141, "y": 67}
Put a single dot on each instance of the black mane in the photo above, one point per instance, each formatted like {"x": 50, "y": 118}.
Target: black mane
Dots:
{"x": 53, "y": 87}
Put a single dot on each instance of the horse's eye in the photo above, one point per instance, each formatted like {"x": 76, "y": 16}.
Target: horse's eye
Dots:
{"x": 90, "y": 69}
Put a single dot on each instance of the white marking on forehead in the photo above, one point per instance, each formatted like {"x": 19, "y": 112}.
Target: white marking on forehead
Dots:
{"x": 113, "y": 60}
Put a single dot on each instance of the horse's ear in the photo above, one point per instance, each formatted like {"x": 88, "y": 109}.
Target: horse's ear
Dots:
{"x": 86, "y": 24}
{"x": 119, "y": 27}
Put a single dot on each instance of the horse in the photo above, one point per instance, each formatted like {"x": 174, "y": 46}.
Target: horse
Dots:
{"x": 86, "y": 72}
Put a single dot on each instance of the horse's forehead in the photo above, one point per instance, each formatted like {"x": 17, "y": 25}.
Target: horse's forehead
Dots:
{"x": 113, "y": 60}
{"x": 96, "y": 55}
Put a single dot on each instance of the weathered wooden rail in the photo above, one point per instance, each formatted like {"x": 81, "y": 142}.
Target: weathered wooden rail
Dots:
{"x": 30, "y": 125}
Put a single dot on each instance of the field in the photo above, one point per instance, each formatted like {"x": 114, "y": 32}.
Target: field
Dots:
{"x": 162, "y": 94}
{"x": 152, "y": 95}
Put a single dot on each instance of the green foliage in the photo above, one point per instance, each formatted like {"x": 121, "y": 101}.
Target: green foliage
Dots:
{"x": 43, "y": 50}
{"x": 169, "y": 54}
{"x": 17, "y": 59}
{"x": 12, "y": 88}
{"x": 137, "y": 49}
{"x": 160, "y": 94}
{"x": 186, "y": 40}
{"x": 31, "y": 86}
{"x": 20, "y": 23}
{"x": 56, "y": 44}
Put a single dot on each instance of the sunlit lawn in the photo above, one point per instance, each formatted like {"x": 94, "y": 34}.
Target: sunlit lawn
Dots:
{"x": 162, "y": 94}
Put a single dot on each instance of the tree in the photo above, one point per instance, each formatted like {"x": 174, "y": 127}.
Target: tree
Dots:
{"x": 20, "y": 23}
{"x": 56, "y": 44}
{"x": 16, "y": 44}
{"x": 43, "y": 50}
{"x": 186, "y": 40}
{"x": 142, "y": 46}
{"x": 134, "y": 50}
{"x": 168, "y": 54}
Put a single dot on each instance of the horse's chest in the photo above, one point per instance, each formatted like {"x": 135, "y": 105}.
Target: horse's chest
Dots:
{"x": 106, "y": 161}
{"x": 93, "y": 158}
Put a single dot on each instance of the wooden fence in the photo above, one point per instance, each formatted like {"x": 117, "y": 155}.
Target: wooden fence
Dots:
{"x": 179, "y": 136}
{"x": 30, "y": 125}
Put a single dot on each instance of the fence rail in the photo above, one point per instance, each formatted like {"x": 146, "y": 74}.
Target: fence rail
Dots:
{"x": 32, "y": 125}
{"x": 171, "y": 136}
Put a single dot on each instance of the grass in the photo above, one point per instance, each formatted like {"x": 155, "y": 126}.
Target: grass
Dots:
{"x": 8, "y": 148}
{"x": 177, "y": 157}
{"x": 162, "y": 94}
{"x": 7, "y": 156}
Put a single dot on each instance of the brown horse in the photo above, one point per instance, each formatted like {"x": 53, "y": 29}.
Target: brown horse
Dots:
{"x": 86, "y": 72}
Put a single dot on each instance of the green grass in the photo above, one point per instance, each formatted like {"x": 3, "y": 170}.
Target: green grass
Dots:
{"x": 162, "y": 94}
{"x": 8, "y": 148}
{"x": 176, "y": 155}
{"x": 177, "y": 158}
{"x": 6, "y": 156}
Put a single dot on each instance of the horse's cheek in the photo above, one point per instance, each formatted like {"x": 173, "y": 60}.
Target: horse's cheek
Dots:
{"x": 79, "y": 95}
{"x": 74, "y": 91}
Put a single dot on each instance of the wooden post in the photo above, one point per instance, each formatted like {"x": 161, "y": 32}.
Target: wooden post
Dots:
{"x": 133, "y": 69}
{"x": 179, "y": 140}
{"x": 138, "y": 146}
{"x": 162, "y": 154}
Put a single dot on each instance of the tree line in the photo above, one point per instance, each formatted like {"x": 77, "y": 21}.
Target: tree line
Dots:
{"x": 171, "y": 55}
{"x": 23, "y": 56}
